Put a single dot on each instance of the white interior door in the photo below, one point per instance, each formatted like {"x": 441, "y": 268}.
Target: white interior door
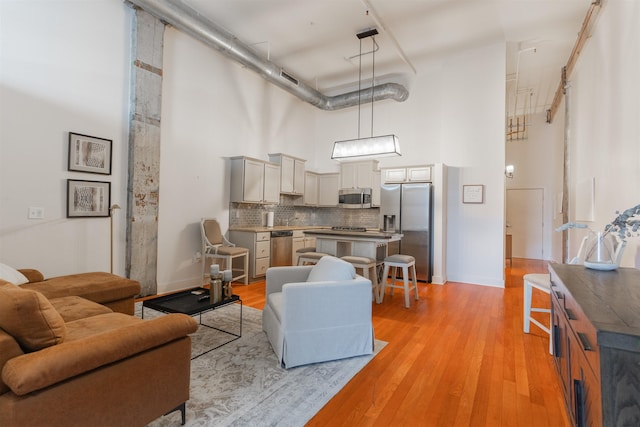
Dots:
{"x": 525, "y": 222}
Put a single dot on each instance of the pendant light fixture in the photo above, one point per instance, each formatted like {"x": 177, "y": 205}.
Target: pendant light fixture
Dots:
{"x": 373, "y": 146}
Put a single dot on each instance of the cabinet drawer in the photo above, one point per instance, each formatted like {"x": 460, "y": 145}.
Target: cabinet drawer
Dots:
{"x": 261, "y": 266}
{"x": 263, "y": 249}
{"x": 585, "y": 334}
{"x": 263, "y": 236}
{"x": 579, "y": 325}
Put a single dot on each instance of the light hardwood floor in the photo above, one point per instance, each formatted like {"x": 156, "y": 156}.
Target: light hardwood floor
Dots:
{"x": 458, "y": 357}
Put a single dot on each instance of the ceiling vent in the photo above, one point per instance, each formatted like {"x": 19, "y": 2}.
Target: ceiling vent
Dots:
{"x": 187, "y": 20}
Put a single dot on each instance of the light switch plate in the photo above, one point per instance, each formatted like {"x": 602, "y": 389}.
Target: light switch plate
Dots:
{"x": 36, "y": 213}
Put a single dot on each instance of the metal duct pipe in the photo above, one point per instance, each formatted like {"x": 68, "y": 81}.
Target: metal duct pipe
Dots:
{"x": 185, "y": 19}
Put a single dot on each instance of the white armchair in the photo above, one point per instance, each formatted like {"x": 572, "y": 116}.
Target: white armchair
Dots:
{"x": 317, "y": 320}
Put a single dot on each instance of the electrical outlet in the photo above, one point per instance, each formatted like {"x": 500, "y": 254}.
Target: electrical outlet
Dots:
{"x": 36, "y": 213}
{"x": 197, "y": 257}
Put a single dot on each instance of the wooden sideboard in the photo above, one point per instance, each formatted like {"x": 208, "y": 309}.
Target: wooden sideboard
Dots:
{"x": 596, "y": 343}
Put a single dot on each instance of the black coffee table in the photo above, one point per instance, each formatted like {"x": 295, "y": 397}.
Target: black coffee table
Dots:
{"x": 194, "y": 302}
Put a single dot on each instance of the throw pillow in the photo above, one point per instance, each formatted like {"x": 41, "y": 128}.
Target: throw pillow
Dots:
{"x": 12, "y": 275}
{"x": 331, "y": 269}
{"x": 30, "y": 318}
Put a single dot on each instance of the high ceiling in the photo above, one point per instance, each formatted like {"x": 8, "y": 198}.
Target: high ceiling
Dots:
{"x": 315, "y": 40}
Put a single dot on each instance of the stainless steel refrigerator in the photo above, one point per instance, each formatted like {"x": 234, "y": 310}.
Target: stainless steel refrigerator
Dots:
{"x": 406, "y": 208}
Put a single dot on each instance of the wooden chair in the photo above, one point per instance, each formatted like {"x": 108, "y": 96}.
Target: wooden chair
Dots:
{"x": 216, "y": 246}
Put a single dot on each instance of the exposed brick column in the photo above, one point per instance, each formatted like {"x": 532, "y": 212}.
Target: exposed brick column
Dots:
{"x": 144, "y": 150}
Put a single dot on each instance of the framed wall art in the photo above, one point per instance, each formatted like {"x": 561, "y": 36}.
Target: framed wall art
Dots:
{"x": 473, "y": 194}
{"x": 88, "y": 198}
{"x": 89, "y": 154}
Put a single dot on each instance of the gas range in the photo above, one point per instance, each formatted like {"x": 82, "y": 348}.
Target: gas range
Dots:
{"x": 340, "y": 228}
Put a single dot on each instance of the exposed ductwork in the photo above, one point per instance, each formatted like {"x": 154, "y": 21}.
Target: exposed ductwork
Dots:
{"x": 185, "y": 19}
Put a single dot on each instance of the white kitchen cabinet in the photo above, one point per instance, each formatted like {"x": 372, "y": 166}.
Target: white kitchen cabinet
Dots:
{"x": 407, "y": 174}
{"x": 311, "y": 189}
{"x": 291, "y": 173}
{"x": 395, "y": 175}
{"x": 328, "y": 188}
{"x": 357, "y": 174}
{"x": 419, "y": 174}
{"x": 254, "y": 181}
{"x": 375, "y": 189}
{"x": 271, "y": 183}
{"x": 259, "y": 245}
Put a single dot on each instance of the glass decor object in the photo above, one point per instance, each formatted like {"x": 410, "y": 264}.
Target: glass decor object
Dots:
{"x": 602, "y": 251}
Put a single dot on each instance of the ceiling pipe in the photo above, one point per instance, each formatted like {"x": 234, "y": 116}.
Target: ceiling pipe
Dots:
{"x": 189, "y": 21}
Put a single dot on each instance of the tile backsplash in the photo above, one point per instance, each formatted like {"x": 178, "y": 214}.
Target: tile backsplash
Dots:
{"x": 250, "y": 215}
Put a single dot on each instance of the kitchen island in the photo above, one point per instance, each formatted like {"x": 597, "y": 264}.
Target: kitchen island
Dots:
{"x": 339, "y": 243}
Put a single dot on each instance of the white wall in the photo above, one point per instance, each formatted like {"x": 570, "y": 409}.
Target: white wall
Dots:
{"x": 64, "y": 66}
{"x": 213, "y": 109}
{"x": 605, "y": 112}
{"x": 454, "y": 115}
{"x": 538, "y": 163}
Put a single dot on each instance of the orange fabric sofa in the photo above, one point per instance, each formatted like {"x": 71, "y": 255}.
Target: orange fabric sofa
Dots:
{"x": 116, "y": 292}
{"x": 69, "y": 361}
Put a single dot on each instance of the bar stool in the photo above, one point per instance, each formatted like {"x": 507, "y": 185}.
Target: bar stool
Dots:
{"x": 404, "y": 262}
{"x": 310, "y": 257}
{"x": 302, "y": 251}
{"x": 543, "y": 283}
{"x": 366, "y": 264}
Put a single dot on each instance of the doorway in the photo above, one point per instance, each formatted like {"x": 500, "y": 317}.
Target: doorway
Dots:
{"x": 525, "y": 222}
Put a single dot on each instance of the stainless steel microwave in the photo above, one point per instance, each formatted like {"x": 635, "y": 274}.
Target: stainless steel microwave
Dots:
{"x": 354, "y": 198}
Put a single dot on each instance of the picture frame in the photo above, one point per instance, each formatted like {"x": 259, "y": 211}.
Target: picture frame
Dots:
{"x": 88, "y": 199}
{"x": 473, "y": 193}
{"x": 89, "y": 154}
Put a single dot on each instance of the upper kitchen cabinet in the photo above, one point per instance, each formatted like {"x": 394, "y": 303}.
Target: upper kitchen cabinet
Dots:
{"x": 254, "y": 181}
{"x": 311, "y": 189}
{"x": 321, "y": 189}
{"x": 407, "y": 174}
{"x": 328, "y": 189}
{"x": 357, "y": 174}
{"x": 291, "y": 173}
{"x": 375, "y": 189}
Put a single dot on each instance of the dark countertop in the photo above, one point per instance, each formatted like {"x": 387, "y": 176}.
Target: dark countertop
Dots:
{"x": 610, "y": 299}
{"x": 346, "y": 233}
{"x": 276, "y": 228}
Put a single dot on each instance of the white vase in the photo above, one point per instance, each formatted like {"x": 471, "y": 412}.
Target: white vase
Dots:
{"x": 603, "y": 251}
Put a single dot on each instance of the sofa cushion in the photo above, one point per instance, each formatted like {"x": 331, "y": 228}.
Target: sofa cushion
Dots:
{"x": 331, "y": 269}
{"x": 30, "y": 318}
{"x": 98, "y": 287}
{"x": 12, "y": 275}
{"x": 74, "y": 308}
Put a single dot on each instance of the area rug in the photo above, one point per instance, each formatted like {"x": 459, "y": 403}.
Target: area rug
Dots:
{"x": 242, "y": 384}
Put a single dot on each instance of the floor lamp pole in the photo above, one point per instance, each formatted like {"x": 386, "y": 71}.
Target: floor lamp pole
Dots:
{"x": 113, "y": 207}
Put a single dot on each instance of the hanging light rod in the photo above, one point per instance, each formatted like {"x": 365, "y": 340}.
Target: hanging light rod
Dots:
{"x": 367, "y": 33}
{"x": 374, "y": 146}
